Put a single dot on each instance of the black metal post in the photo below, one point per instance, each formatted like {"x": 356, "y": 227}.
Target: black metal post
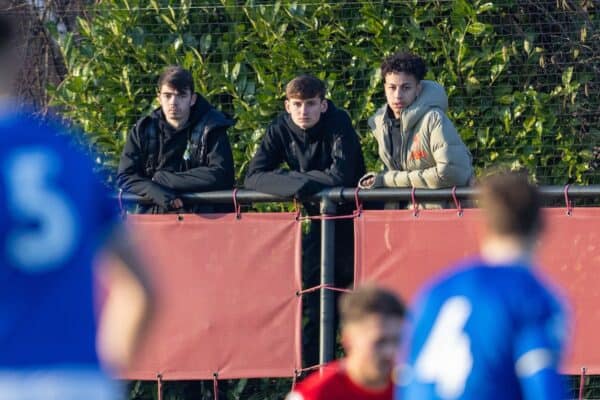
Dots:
{"x": 326, "y": 316}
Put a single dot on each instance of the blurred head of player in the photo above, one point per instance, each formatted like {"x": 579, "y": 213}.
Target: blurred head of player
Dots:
{"x": 371, "y": 320}
{"x": 512, "y": 219}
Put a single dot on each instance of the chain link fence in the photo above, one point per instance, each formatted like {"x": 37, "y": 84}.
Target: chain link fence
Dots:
{"x": 521, "y": 75}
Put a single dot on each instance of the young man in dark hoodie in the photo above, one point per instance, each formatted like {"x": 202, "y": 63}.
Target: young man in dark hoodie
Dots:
{"x": 321, "y": 149}
{"x": 182, "y": 146}
{"x": 314, "y": 138}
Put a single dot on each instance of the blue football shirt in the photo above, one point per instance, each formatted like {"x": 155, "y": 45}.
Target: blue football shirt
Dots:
{"x": 484, "y": 332}
{"x": 55, "y": 214}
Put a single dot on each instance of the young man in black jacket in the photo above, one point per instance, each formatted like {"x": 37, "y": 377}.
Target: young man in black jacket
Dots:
{"x": 321, "y": 149}
{"x": 182, "y": 146}
{"x": 314, "y": 138}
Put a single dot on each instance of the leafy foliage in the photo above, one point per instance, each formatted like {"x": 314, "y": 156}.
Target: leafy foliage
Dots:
{"x": 520, "y": 95}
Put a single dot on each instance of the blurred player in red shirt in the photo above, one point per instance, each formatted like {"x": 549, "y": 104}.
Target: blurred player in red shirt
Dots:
{"x": 371, "y": 320}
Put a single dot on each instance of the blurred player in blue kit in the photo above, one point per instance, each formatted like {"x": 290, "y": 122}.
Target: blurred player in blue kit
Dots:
{"x": 56, "y": 218}
{"x": 489, "y": 329}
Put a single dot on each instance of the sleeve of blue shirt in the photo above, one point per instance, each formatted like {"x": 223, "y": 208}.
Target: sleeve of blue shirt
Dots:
{"x": 537, "y": 347}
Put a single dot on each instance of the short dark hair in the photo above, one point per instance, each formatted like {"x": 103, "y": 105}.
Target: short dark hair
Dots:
{"x": 177, "y": 77}
{"x": 368, "y": 300}
{"x": 408, "y": 63}
{"x": 305, "y": 87}
{"x": 511, "y": 204}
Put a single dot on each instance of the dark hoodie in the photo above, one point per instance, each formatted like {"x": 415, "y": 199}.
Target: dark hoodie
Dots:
{"x": 326, "y": 155}
{"x": 162, "y": 180}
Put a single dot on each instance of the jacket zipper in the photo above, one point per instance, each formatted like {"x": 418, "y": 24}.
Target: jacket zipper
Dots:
{"x": 299, "y": 156}
{"x": 389, "y": 125}
{"x": 403, "y": 146}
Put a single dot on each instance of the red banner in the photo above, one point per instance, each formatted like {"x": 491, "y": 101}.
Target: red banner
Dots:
{"x": 401, "y": 251}
{"x": 226, "y": 293}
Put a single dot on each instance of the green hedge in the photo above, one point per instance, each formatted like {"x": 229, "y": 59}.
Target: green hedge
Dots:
{"x": 523, "y": 91}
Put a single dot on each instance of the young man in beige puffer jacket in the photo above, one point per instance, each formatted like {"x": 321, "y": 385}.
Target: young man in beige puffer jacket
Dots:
{"x": 418, "y": 144}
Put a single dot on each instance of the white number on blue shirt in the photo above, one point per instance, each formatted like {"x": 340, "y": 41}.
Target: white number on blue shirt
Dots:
{"x": 48, "y": 230}
{"x": 445, "y": 359}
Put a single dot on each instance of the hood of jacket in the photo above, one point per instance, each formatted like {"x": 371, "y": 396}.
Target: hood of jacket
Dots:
{"x": 432, "y": 95}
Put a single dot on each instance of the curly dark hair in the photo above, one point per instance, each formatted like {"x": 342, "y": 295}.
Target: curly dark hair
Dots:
{"x": 404, "y": 62}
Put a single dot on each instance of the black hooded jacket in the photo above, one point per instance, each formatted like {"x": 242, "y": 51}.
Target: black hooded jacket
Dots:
{"x": 172, "y": 168}
{"x": 326, "y": 155}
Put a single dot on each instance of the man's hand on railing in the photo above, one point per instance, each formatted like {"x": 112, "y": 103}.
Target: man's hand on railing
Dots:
{"x": 370, "y": 180}
{"x": 164, "y": 197}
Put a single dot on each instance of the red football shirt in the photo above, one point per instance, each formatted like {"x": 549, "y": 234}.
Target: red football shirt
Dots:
{"x": 335, "y": 384}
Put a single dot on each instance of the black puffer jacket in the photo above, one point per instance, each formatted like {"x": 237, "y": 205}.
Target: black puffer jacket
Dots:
{"x": 326, "y": 155}
{"x": 161, "y": 175}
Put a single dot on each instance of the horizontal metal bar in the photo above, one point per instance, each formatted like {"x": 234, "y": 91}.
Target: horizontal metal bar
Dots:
{"x": 388, "y": 194}
{"x": 221, "y": 196}
{"x": 399, "y": 194}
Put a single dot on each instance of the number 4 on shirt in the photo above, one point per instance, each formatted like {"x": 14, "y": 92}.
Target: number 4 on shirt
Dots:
{"x": 445, "y": 359}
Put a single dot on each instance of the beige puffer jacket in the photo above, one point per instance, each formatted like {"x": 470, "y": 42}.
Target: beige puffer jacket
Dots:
{"x": 434, "y": 155}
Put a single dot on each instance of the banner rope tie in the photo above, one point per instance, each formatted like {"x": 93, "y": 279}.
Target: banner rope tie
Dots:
{"x": 236, "y": 206}
{"x": 582, "y": 383}
{"x": 159, "y": 388}
{"x": 328, "y": 217}
{"x": 319, "y": 287}
{"x": 357, "y": 203}
{"x": 216, "y": 385}
{"x": 415, "y": 206}
{"x": 568, "y": 203}
{"x": 297, "y": 210}
{"x": 120, "y": 200}
{"x": 298, "y": 372}
{"x": 457, "y": 202}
